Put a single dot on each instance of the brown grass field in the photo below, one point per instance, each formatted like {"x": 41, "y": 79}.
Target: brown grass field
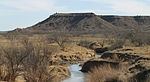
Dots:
{"x": 18, "y": 53}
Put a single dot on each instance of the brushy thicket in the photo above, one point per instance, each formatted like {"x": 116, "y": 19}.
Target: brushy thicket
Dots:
{"x": 26, "y": 58}
{"x": 137, "y": 37}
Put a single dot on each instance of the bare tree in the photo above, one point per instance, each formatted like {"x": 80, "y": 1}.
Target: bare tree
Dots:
{"x": 61, "y": 39}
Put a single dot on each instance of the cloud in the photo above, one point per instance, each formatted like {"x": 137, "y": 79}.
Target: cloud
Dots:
{"x": 32, "y": 5}
{"x": 126, "y": 6}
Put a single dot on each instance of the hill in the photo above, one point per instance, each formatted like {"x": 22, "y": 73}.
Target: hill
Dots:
{"x": 87, "y": 22}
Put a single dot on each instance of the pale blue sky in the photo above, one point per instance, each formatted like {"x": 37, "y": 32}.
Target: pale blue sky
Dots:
{"x": 24, "y": 13}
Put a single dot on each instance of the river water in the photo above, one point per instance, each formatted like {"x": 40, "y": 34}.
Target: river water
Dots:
{"x": 76, "y": 74}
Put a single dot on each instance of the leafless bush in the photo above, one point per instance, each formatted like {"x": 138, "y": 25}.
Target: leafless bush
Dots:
{"x": 135, "y": 36}
{"x": 35, "y": 65}
{"x": 61, "y": 39}
{"x": 31, "y": 58}
{"x": 13, "y": 57}
{"x": 36, "y": 68}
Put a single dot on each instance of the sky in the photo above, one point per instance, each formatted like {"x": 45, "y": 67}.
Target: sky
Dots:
{"x": 25, "y": 13}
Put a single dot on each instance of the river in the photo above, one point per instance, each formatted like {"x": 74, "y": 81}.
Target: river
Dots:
{"x": 76, "y": 74}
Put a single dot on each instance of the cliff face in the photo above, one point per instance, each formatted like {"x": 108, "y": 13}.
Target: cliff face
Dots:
{"x": 88, "y": 22}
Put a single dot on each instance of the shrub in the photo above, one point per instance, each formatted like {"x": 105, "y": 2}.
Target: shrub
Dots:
{"x": 35, "y": 65}
{"x": 135, "y": 36}
{"x": 106, "y": 74}
{"x": 31, "y": 58}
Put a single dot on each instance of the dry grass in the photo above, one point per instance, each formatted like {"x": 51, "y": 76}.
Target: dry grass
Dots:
{"x": 106, "y": 74}
{"x": 11, "y": 46}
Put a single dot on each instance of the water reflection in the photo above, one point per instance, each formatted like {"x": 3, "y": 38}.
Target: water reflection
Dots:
{"x": 98, "y": 55}
{"x": 76, "y": 75}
